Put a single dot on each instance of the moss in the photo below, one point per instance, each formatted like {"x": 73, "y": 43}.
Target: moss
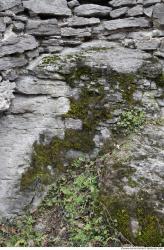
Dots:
{"x": 160, "y": 80}
{"x": 54, "y": 154}
{"x": 80, "y": 71}
{"x": 119, "y": 213}
{"x": 126, "y": 83}
{"x": 50, "y": 60}
{"x": 151, "y": 233}
{"x": 89, "y": 108}
{"x": 132, "y": 183}
{"x": 122, "y": 209}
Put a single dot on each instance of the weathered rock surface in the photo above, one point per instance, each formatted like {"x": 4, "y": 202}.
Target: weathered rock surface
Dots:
{"x": 43, "y": 27}
{"x": 159, "y": 13}
{"x": 6, "y": 94}
{"x": 17, "y": 44}
{"x": 8, "y": 4}
{"x": 119, "y": 59}
{"x": 134, "y": 180}
{"x": 23, "y": 129}
{"x": 126, "y": 23}
{"x": 119, "y": 3}
{"x": 12, "y": 62}
{"x": 92, "y": 10}
{"x": 52, "y": 7}
{"x": 53, "y": 50}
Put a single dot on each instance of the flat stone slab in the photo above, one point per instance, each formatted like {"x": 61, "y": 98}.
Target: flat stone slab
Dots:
{"x": 8, "y": 4}
{"x": 119, "y": 3}
{"x": 52, "y": 7}
{"x": 30, "y": 85}
{"x": 17, "y": 44}
{"x": 125, "y": 23}
{"x": 43, "y": 27}
{"x": 92, "y": 10}
{"x": 12, "y": 62}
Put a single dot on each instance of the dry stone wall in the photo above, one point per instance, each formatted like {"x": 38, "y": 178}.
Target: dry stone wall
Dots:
{"x": 49, "y": 51}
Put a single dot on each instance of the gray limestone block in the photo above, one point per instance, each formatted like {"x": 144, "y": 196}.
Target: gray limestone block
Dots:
{"x": 119, "y": 12}
{"x": 76, "y": 22}
{"x": 119, "y": 3}
{"x": 12, "y": 62}
{"x": 136, "y": 11}
{"x": 43, "y": 27}
{"x": 8, "y": 4}
{"x": 30, "y": 85}
{"x": 17, "y": 44}
{"x": 158, "y": 13}
{"x": 149, "y": 11}
{"x": 147, "y": 3}
{"x": 71, "y": 32}
{"x": 92, "y": 10}
{"x": 51, "y": 7}
{"x": 73, "y": 3}
{"x": 132, "y": 22}
{"x": 148, "y": 45}
{"x": 6, "y": 94}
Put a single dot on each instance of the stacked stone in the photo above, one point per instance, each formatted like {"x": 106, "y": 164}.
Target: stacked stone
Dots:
{"x": 33, "y": 98}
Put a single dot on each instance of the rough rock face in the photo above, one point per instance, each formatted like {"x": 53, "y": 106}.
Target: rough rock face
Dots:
{"x": 56, "y": 8}
{"x": 134, "y": 182}
{"x": 8, "y": 4}
{"x": 68, "y": 71}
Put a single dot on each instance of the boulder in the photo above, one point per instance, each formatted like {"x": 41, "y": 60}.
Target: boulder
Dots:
{"x": 48, "y": 7}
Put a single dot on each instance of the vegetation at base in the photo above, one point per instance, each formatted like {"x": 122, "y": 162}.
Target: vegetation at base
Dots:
{"x": 20, "y": 233}
{"x": 54, "y": 155}
{"x": 131, "y": 121}
{"x": 76, "y": 212}
{"x": 76, "y": 194}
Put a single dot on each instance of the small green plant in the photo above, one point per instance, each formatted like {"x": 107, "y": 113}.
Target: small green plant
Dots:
{"x": 21, "y": 233}
{"x": 78, "y": 195}
{"x": 131, "y": 121}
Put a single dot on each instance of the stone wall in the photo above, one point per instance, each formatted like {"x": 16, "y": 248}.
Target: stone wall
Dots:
{"x": 53, "y": 56}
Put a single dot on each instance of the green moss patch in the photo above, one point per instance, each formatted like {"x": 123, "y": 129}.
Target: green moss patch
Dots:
{"x": 54, "y": 154}
{"x": 160, "y": 80}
